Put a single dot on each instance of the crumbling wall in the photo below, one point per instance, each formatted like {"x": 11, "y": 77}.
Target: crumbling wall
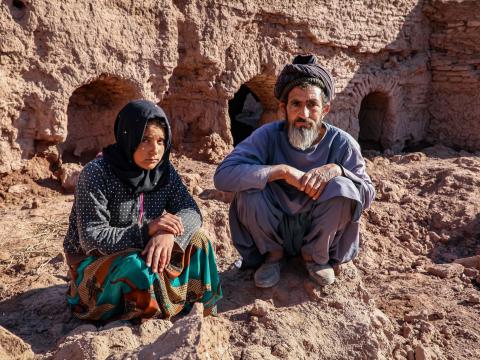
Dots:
{"x": 51, "y": 49}
{"x": 455, "y": 62}
{"x": 192, "y": 56}
{"x": 91, "y": 114}
{"x": 369, "y": 48}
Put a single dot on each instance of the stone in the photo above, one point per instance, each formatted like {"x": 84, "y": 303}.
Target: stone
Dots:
{"x": 406, "y": 330}
{"x": 473, "y": 299}
{"x": 84, "y": 328}
{"x": 410, "y": 354}
{"x": 83, "y": 348}
{"x": 59, "y": 258}
{"x": 411, "y": 317}
{"x": 445, "y": 271}
{"x": 472, "y": 262}
{"x": 261, "y": 308}
{"x": 191, "y": 337}
{"x": 471, "y": 273}
{"x": 12, "y": 347}
{"x": 197, "y": 190}
{"x": 18, "y": 189}
{"x": 4, "y": 256}
{"x": 436, "y": 315}
{"x": 150, "y": 330}
{"x": 191, "y": 181}
{"x": 405, "y": 159}
{"x": 434, "y": 236}
{"x": 68, "y": 175}
{"x": 420, "y": 353}
{"x": 36, "y": 203}
{"x": 389, "y": 192}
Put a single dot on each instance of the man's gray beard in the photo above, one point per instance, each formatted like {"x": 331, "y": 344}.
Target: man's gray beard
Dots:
{"x": 302, "y": 138}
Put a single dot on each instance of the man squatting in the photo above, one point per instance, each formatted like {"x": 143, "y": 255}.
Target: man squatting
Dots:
{"x": 300, "y": 183}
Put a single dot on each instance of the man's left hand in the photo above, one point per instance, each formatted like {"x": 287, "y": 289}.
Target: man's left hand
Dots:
{"x": 315, "y": 180}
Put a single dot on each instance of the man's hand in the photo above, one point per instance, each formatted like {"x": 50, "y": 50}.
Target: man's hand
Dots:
{"x": 167, "y": 223}
{"x": 158, "y": 251}
{"x": 314, "y": 181}
{"x": 288, "y": 173}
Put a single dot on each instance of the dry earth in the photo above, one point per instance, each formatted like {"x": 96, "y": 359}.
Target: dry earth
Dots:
{"x": 403, "y": 298}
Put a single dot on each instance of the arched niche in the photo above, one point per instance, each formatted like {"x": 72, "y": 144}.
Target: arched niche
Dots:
{"x": 245, "y": 111}
{"x": 91, "y": 113}
{"x": 252, "y": 106}
{"x": 373, "y": 115}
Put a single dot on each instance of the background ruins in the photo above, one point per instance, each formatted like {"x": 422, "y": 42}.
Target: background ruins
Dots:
{"x": 405, "y": 70}
{"x": 406, "y": 75}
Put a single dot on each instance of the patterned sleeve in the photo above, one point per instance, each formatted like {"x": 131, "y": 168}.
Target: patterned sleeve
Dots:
{"x": 181, "y": 203}
{"x": 93, "y": 217}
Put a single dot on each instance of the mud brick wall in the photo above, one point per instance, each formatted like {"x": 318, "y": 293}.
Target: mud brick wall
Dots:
{"x": 455, "y": 65}
{"x": 68, "y": 67}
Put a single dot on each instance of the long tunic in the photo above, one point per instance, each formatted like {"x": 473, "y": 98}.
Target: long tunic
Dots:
{"x": 108, "y": 217}
{"x": 248, "y": 167}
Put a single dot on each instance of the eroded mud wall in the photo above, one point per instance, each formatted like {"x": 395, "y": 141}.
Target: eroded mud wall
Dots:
{"x": 64, "y": 62}
{"x": 49, "y": 50}
{"x": 455, "y": 59}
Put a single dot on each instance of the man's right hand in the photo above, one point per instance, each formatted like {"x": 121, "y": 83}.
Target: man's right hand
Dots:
{"x": 287, "y": 173}
{"x": 167, "y": 223}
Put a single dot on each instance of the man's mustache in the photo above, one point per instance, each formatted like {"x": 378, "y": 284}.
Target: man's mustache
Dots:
{"x": 309, "y": 122}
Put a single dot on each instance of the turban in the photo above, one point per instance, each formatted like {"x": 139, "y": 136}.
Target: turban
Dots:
{"x": 303, "y": 69}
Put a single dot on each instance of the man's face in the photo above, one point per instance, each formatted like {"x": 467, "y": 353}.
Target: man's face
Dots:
{"x": 304, "y": 111}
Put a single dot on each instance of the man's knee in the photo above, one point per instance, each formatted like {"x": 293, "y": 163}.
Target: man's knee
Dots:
{"x": 336, "y": 212}
{"x": 337, "y": 202}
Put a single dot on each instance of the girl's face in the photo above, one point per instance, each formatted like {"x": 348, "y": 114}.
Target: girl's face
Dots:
{"x": 151, "y": 149}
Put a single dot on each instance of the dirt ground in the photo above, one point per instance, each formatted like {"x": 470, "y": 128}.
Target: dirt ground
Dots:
{"x": 403, "y": 298}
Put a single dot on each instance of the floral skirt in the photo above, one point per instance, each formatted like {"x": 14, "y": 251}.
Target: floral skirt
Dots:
{"x": 121, "y": 286}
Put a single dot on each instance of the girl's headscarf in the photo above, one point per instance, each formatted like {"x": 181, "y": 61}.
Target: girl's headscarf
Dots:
{"x": 129, "y": 128}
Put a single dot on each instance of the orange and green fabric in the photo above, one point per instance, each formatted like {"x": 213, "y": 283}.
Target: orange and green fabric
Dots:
{"x": 121, "y": 286}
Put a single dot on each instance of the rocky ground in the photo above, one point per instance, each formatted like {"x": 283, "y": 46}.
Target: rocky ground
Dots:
{"x": 405, "y": 297}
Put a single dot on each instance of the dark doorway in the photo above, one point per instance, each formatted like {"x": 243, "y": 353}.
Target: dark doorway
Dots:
{"x": 245, "y": 111}
{"x": 373, "y": 111}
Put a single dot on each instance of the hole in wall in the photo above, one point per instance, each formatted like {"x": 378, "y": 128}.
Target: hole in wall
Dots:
{"x": 245, "y": 111}
{"x": 372, "y": 117}
{"x": 18, "y": 9}
{"x": 261, "y": 89}
{"x": 92, "y": 110}
{"x": 18, "y": 4}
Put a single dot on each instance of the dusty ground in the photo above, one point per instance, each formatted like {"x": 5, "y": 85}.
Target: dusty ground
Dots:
{"x": 403, "y": 298}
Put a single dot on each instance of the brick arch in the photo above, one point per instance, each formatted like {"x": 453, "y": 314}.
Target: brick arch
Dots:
{"x": 262, "y": 85}
{"x": 258, "y": 89}
{"x": 377, "y": 107}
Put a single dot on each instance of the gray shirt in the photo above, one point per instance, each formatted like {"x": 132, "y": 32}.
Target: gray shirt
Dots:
{"x": 248, "y": 167}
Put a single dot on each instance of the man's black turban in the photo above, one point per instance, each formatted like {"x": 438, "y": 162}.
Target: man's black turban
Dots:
{"x": 303, "y": 69}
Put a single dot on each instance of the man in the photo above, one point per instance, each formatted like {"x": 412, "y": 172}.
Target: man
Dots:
{"x": 300, "y": 184}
